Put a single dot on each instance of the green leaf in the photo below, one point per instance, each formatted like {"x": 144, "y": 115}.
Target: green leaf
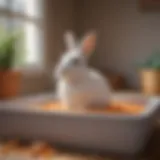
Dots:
{"x": 152, "y": 62}
{"x": 7, "y": 49}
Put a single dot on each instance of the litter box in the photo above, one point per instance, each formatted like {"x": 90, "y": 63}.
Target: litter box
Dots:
{"x": 117, "y": 133}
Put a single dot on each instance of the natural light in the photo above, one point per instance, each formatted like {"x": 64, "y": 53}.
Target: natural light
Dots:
{"x": 26, "y": 16}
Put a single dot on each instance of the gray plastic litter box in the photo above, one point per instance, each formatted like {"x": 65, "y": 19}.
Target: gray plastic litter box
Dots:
{"x": 125, "y": 134}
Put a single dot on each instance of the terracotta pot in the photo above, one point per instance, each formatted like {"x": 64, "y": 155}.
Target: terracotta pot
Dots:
{"x": 10, "y": 82}
{"x": 150, "y": 81}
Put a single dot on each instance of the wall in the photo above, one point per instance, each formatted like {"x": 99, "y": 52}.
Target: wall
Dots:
{"x": 126, "y": 35}
{"x": 59, "y": 18}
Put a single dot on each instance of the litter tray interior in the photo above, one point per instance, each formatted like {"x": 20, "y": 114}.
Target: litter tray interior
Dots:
{"x": 47, "y": 103}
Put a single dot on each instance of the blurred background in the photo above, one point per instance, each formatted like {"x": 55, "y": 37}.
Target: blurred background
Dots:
{"x": 128, "y": 32}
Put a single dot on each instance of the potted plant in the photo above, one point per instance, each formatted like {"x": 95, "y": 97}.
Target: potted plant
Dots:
{"x": 150, "y": 75}
{"x": 9, "y": 77}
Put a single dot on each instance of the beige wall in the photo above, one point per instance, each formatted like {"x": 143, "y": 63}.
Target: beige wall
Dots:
{"x": 59, "y": 18}
{"x": 126, "y": 35}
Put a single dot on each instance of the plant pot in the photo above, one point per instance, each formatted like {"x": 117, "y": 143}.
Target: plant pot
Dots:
{"x": 10, "y": 83}
{"x": 150, "y": 81}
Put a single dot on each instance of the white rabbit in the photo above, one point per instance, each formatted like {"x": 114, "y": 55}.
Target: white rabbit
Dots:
{"x": 77, "y": 84}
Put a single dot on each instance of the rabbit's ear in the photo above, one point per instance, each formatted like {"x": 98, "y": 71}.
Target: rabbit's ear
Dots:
{"x": 89, "y": 43}
{"x": 70, "y": 40}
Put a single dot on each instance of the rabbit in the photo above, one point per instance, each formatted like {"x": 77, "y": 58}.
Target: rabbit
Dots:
{"x": 78, "y": 85}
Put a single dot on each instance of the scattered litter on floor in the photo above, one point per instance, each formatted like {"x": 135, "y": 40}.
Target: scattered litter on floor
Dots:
{"x": 19, "y": 150}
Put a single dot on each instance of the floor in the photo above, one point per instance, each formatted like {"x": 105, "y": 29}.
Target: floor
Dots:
{"x": 13, "y": 150}
{"x": 16, "y": 150}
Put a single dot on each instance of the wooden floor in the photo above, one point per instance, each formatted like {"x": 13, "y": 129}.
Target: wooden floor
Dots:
{"x": 151, "y": 152}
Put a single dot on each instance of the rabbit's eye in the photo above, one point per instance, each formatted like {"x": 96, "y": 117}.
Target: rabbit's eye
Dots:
{"x": 76, "y": 62}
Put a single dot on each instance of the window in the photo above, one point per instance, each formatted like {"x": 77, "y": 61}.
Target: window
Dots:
{"x": 25, "y": 16}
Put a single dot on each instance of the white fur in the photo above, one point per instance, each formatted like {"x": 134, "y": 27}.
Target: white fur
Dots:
{"x": 70, "y": 40}
{"x": 79, "y": 86}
